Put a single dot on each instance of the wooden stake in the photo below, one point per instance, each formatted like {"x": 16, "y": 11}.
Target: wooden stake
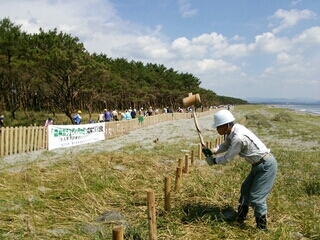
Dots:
{"x": 186, "y": 163}
{"x": 152, "y": 216}
{"x": 167, "y": 191}
{"x": 11, "y": 143}
{"x": 180, "y": 163}
{"x": 117, "y": 233}
{"x": 192, "y": 157}
{"x": 199, "y": 151}
{"x": 178, "y": 178}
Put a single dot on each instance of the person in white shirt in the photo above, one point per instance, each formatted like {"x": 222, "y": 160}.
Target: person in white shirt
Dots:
{"x": 48, "y": 122}
{"x": 241, "y": 141}
{"x": 101, "y": 117}
{"x": 114, "y": 115}
{"x": 2, "y": 121}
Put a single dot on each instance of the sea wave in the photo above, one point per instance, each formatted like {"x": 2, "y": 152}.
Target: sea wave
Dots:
{"x": 310, "y": 108}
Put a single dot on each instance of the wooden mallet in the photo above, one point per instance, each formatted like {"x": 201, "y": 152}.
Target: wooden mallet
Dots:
{"x": 188, "y": 102}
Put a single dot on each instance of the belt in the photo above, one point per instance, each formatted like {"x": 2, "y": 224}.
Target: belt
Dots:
{"x": 263, "y": 159}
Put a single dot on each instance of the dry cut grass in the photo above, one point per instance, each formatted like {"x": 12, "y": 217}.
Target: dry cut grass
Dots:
{"x": 70, "y": 198}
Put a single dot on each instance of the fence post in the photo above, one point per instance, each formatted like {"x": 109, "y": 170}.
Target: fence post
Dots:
{"x": 25, "y": 141}
{"x": 192, "y": 157}
{"x": 46, "y": 139}
{"x": 117, "y": 233}
{"x": 20, "y": 144}
{"x": 199, "y": 151}
{"x": 167, "y": 192}
{"x": 180, "y": 164}
{"x": 152, "y": 216}
{"x": 32, "y": 138}
{"x": 6, "y": 132}
{"x": 178, "y": 178}
{"x": 186, "y": 162}
{"x": 16, "y": 140}
{"x": 2, "y": 134}
{"x": 11, "y": 141}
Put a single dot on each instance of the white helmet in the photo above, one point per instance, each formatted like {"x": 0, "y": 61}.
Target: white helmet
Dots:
{"x": 222, "y": 117}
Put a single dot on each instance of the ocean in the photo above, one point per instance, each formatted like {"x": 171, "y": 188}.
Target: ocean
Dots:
{"x": 311, "y": 108}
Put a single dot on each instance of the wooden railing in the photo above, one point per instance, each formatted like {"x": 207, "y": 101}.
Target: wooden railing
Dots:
{"x": 14, "y": 140}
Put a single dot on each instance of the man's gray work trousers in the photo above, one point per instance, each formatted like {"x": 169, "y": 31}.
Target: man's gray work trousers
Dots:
{"x": 257, "y": 186}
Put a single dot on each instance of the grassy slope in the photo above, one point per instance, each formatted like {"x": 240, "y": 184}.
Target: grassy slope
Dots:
{"x": 62, "y": 201}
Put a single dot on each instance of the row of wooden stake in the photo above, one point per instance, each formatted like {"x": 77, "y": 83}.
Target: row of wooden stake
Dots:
{"x": 117, "y": 231}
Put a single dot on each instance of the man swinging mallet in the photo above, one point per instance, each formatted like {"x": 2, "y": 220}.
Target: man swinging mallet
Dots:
{"x": 241, "y": 141}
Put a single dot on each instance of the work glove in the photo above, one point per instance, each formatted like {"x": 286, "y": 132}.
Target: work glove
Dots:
{"x": 211, "y": 160}
{"x": 207, "y": 152}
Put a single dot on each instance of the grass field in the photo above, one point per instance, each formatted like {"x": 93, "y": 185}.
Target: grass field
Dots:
{"x": 70, "y": 198}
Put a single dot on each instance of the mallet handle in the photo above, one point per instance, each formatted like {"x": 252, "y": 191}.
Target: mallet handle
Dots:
{"x": 198, "y": 129}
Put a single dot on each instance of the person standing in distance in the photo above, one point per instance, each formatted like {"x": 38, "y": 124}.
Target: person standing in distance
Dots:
{"x": 107, "y": 115}
{"x": 241, "y": 141}
{"x": 48, "y": 122}
{"x": 77, "y": 118}
{"x": 2, "y": 121}
{"x": 101, "y": 117}
{"x": 2, "y": 124}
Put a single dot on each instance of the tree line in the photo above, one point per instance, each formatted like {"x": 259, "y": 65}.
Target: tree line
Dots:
{"x": 52, "y": 71}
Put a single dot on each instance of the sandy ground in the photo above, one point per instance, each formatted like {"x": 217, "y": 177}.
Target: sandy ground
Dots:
{"x": 171, "y": 131}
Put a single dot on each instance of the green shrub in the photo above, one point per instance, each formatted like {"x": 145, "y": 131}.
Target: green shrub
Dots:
{"x": 282, "y": 117}
{"x": 257, "y": 120}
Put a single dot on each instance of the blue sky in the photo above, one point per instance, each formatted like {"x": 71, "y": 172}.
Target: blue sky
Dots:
{"x": 237, "y": 48}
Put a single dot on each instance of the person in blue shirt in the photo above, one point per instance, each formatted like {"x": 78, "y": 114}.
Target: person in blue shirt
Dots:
{"x": 128, "y": 115}
{"x": 107, "y": 115}
{"x": 77, "y": 118}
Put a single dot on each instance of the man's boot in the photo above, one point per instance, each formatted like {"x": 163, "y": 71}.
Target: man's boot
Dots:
{"x": 262, "y": 222}
{"x": 242, "y": 213}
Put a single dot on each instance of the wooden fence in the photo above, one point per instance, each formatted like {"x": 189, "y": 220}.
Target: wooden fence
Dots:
{"x": 14, "y": 140}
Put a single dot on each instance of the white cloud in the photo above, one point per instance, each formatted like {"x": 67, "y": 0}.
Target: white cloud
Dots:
{"x": 210, "y": 39}
{"x": 234, "y": 50}
{"x": 237, "y": 38}
{"x": 209, "y": 65}
{"x": 289, "y": 69}
{"x": 186, "y": 10}
{"x": 268, "y": 43}
{"x": 309, "y": 36}
{"x": 284, "y": 59}
{"x": 295, "y": 2}
{"x": 146, "y": 48}
{"x": 290, "y": 18}
{"x": 188, "y": 49}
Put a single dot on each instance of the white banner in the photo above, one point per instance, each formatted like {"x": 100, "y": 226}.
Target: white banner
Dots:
{"x": 63, "y": 136}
